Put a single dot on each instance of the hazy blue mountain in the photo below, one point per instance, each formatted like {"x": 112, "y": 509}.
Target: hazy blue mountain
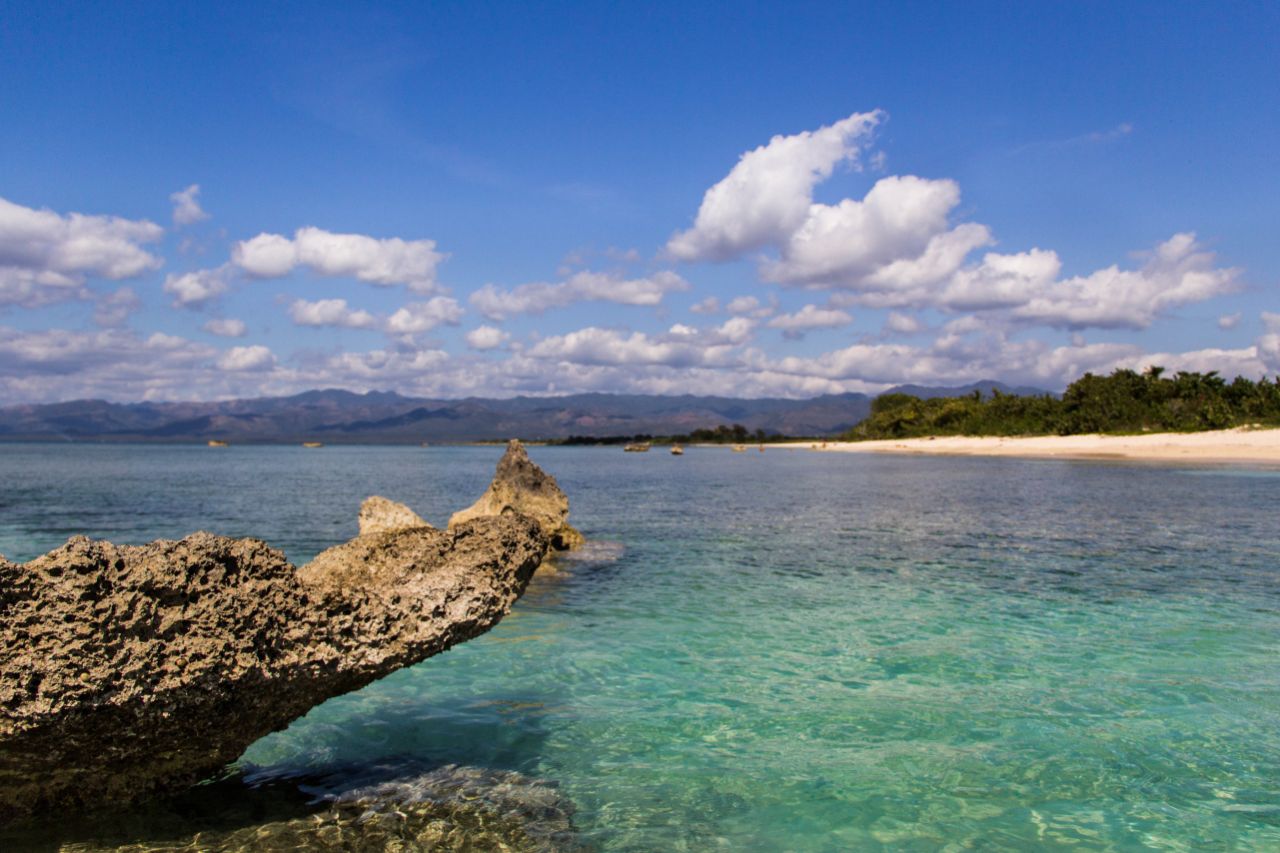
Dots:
{"x": 387, "y": 417}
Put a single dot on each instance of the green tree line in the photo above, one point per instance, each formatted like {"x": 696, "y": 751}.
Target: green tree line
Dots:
{"x": 722, "y": 434}
{"x": 1124, "y": 402}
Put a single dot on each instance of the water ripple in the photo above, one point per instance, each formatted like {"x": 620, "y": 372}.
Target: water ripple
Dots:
{"x": 796, "y": 651}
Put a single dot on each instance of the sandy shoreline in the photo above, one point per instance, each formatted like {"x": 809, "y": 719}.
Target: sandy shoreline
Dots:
{"x": 1235, "y": 445}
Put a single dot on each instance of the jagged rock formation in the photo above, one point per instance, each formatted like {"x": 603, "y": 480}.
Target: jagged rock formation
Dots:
{"x": 379, "y": 515}
{"x": 129, "y": 670}
{"x": 521, "y": 487}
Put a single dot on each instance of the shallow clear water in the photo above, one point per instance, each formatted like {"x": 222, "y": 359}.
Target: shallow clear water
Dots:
{"x": 794, "y": 651}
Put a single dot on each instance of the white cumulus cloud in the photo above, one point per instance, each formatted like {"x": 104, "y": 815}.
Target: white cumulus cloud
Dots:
{"x": 486, "y": 338}
{"x": 226, "y": 327}
{"x": 381, "y": 368}
{"x": 330, "y": 312}
{"x": 902, "y": 324}
{"x": 1177, "y": 272}
{"x": 732, "y": 332}
{"x": 498, "y": 304}
{"x": 609, "y": 346}
{"x": 64, "y": 364}
{"x": 186, "y": 206}
{"x": 47, "y": 257}
{"x": 902, "y": 281}
{"x": 425, "y": 316}
{"x": 897, "y": 247}
{"x": 902, "y": 220}
{"x": 255, "y": 357}
{"x": 681, "y": 346}
{"x": 1268, "y": 346}
{"x": 999, "y": 281}
{"x": 114, "y": 308}
{"x": 808, "y": 318}
{"x": 389, "y": 261}
{"x": 196, "y": 288}
{"x": 767, "y": 195}
{"x": 266, "y": 256}
{"x": 750, "y": 306}
{"x": 887, "y": 246}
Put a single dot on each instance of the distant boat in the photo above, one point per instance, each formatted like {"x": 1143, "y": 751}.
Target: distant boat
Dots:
{"x": 739, "y": 448}
{"x": 312, "y": 444}
{"x": 213, "y": 442}
{"x": 638, "y": 447}
{"x": 677, "y": 450}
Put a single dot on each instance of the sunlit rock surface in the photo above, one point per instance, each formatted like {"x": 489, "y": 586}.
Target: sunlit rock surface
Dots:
{"x": 379, "y": 515}
{"x": 520, "y": 486}
{"x": 131, "y": 670}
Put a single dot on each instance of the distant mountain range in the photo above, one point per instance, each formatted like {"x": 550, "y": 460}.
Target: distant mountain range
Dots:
{"x": 380, "y": 417}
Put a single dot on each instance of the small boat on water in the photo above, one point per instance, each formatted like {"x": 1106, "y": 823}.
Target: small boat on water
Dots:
{"x": 637, "y": 447}
{"x": 213, "y": 442}
{"x": 313, "y": 444}
{"x": 739, "y": 448}
{"x": 677, "y": 450}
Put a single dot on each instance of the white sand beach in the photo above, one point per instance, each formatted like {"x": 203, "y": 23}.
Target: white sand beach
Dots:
{"x": 1234, "y": 445}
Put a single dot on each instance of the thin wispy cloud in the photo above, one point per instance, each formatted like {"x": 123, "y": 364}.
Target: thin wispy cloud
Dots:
{"x": 1083, "y": 140}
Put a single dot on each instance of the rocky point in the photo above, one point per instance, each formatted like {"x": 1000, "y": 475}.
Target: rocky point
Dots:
{"x": 127, "y": 671}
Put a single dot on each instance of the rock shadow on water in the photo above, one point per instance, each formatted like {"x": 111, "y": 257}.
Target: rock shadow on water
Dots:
{"x": 401, "y": 717}
{"x": 460, "y": 773}
{"x": 396, "y": 804}
{"x": 443, "y": 776}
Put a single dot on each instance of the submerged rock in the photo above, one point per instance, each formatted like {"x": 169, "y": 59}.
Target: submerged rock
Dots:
{"x": 379, "y": 808}
{"x": 519, "y": 486}
{"x": 449, "y": 808}
{"x": 379, "y": 515}
{"x": 131, "y": 670}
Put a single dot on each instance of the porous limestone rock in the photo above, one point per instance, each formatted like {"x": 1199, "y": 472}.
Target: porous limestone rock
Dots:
{"x": 379, "y": 515}
{"x": 131, "y": 670}
{"x": 519, "y": 486}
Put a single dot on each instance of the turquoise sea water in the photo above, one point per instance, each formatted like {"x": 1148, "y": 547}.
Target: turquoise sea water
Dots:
{"x": 790, "y": 650}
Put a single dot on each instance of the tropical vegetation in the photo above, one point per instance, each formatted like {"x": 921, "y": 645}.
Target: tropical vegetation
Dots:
{"x": 1124, "y": 402}
{"x": 722, "y": 434}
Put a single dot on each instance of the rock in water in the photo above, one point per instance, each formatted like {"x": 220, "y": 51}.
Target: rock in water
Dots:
{"x": 449, "y": 808}
{"x": 520, "y": 486}
{"x": 379, "y": 515}
{"x": 130, "y": 670}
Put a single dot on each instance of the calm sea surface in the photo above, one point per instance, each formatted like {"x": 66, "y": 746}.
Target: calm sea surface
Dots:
{"x": 790, "y": 650}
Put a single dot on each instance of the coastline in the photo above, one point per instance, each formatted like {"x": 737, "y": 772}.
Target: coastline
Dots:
{"x": 1233, "y": 445}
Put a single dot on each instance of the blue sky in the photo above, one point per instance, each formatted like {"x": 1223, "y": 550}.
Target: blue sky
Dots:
{"x": 202, "y": 201}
